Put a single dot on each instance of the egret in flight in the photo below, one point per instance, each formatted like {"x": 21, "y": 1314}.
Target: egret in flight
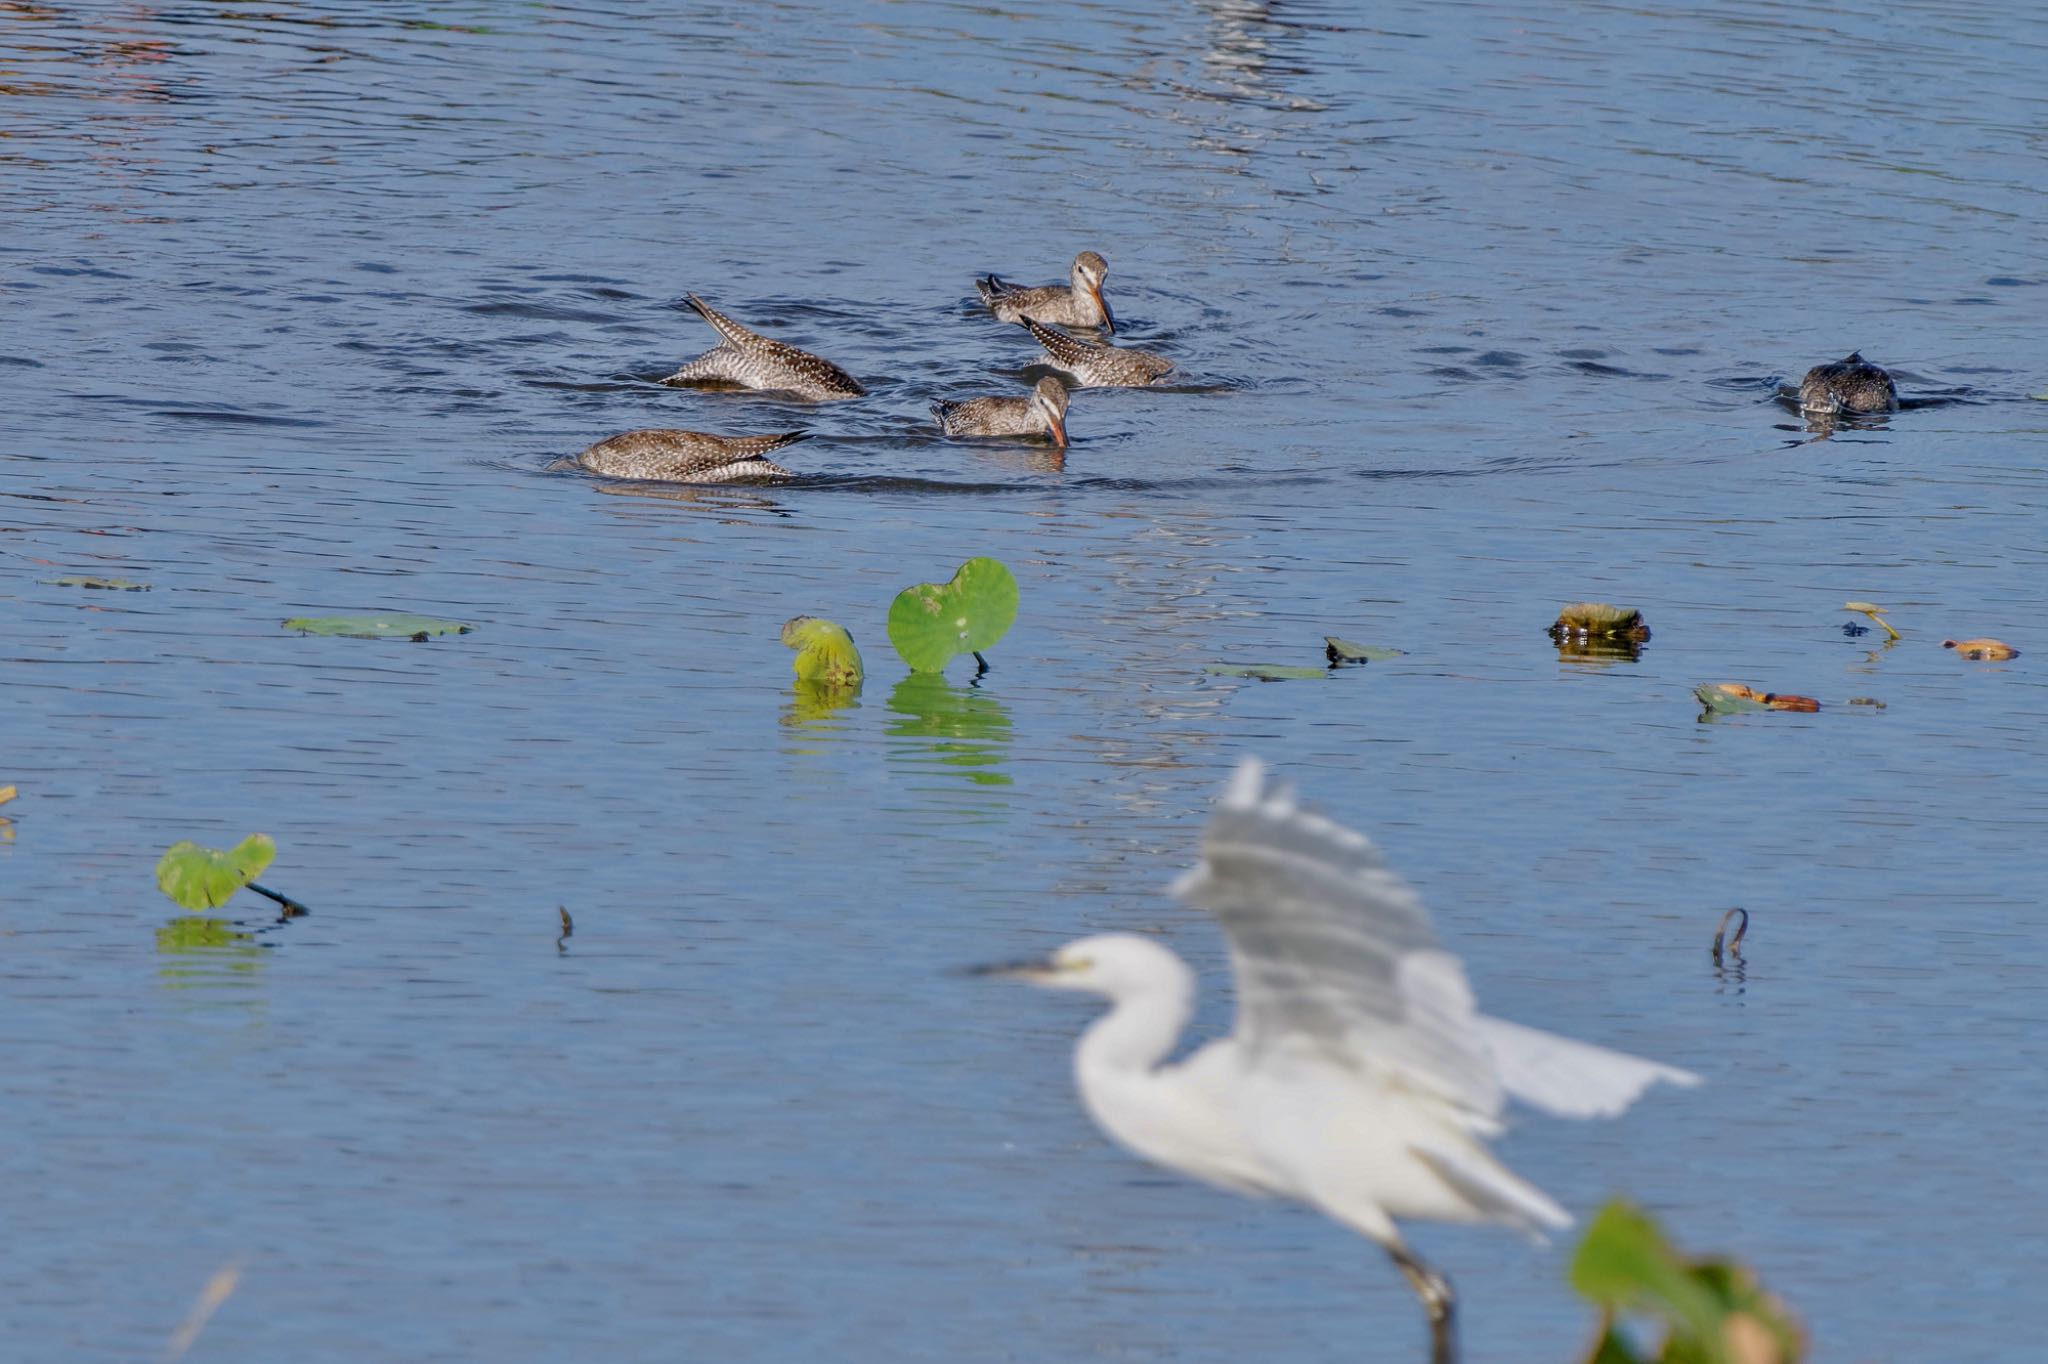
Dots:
{"x": 1360, "y": 1079}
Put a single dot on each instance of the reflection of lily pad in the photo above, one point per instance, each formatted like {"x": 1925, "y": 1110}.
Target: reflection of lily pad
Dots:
{"x": 825, "y": 653}
{"x": 1340, "y": 651}
{"x": 389, "y": 625}
{"x": 930, "y": 624}
{"x": 198, "y": 933}
{"x": 205, "y": 878}
{"x": 1264, "y": 672}
{"x": 107, "y": 584}
{"x": 962, "y": 726}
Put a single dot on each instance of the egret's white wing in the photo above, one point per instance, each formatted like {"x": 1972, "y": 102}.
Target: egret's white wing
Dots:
{"x": 1567, "y": 1078}
{"x": 1327, "y": 943}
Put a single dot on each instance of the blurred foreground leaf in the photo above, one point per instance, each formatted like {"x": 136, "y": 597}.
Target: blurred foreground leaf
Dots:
{"x": 1712, "y": 1311}
{"x": 205, "y": 878}
{"x": 931, "y": 623}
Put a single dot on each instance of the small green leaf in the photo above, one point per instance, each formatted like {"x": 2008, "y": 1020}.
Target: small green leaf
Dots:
{"x": 205, "y": 878}
{"x": 825, "y": 652}
{"x": 1264, "y": 672}
{"x": 390, "y": 625}
{"x": 1344, "y": 651}
{"x": 930, "y": 625}
{"x": 107, "y": 584}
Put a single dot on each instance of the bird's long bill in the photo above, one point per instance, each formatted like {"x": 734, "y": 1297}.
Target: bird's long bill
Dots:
{"x": 1059, "y": 429}
{"x": 1108, "y": 317}
{"x": 1035, "y": 970}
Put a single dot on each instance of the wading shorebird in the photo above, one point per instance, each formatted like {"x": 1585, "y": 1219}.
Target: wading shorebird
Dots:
{"x": 1848, "y": 386}
{"x": 1361, "y": 1079}
{"x": 688, "y": 456}
{"x": 1076, "y": 304}
{"x": 1098, "y": 366}
{"x": 1045, "y": 410}
{"x": 756, "y": 361}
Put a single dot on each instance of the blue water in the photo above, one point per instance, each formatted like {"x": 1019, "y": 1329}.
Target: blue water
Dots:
{"x": 1478, "y": 310}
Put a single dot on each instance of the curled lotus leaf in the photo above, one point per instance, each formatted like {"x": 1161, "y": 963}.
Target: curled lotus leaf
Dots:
{"x": 1982, "y": 650}
{"x": 1599, "y": 620}
{"x": 825, "y": 652}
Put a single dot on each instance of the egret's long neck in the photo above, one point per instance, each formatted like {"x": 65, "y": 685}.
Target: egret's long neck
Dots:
{"x": 1139, "y": 1030}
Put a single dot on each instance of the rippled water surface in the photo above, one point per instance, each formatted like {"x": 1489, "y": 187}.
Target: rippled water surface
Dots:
{"x": 1479, "y": 309}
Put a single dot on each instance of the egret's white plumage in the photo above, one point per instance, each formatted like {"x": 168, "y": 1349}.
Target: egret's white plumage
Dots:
{"x": 1360, "y": 1077}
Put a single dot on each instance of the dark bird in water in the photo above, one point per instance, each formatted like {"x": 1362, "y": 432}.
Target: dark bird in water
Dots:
{"x": 1848, "y": 386}
{"x": 755, "y": 361}
{"x": 1098, "y": 366}
{"x": 1076, "y": 304}
{"x": 687, "y": 456}
{"x": 1045, "y": 410}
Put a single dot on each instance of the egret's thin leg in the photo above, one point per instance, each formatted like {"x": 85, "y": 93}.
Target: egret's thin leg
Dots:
{"x": 1437, "y": 1299}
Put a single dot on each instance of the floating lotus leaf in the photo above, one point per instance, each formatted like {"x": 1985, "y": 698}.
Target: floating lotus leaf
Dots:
{"x": 205, "y": 878}
{"x": 930, "y": 625}
{"x": 107, "y": 584}
{"x": 1732, "y": 698}
{"x": 389, "y": 625}
{"x": 1598, "y": 619}
{"x": 1993, "y": 650}
{"x": 1264, "y": 672}
{"x": 825, "y": 652}
{"x": 1340, "y": 651}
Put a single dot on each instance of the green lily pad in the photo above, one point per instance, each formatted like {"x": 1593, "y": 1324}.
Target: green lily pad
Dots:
{"x": 1264, "y": 672}
{"x": 825, "y": 652}
{"x": 930, "y": 625}
{"x": 1340, "y": 651}
{"x": 107, "y": 584}
{"x": 389, "y": 625}
{"x": 205, "y": 878}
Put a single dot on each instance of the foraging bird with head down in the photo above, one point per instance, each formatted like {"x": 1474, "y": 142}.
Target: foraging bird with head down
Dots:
{"x": 752, "y": 360}
{"x": 668, "y": 455}
{"x": 1360, "y": 1078}
{"x": 1044, "y": 411}
{"x": 1096, "y": 366}
{"x": 1852, "y": 386}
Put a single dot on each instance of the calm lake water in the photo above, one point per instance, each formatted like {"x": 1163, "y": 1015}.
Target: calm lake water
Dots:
{"x": 1480, "y": 309}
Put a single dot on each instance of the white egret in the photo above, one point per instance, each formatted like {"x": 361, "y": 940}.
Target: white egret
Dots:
{"x": 1359, "y": 1079}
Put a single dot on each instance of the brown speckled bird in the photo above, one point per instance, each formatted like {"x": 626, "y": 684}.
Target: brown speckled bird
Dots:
{"x": 1045, "y": 410}
{"x": 748, "y": 358}
{"x": 687, "y": 456}
{"x": 1851, "y": 385}
{"x": 1076, "y": 304}
{"x": 1098, "y": 366}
